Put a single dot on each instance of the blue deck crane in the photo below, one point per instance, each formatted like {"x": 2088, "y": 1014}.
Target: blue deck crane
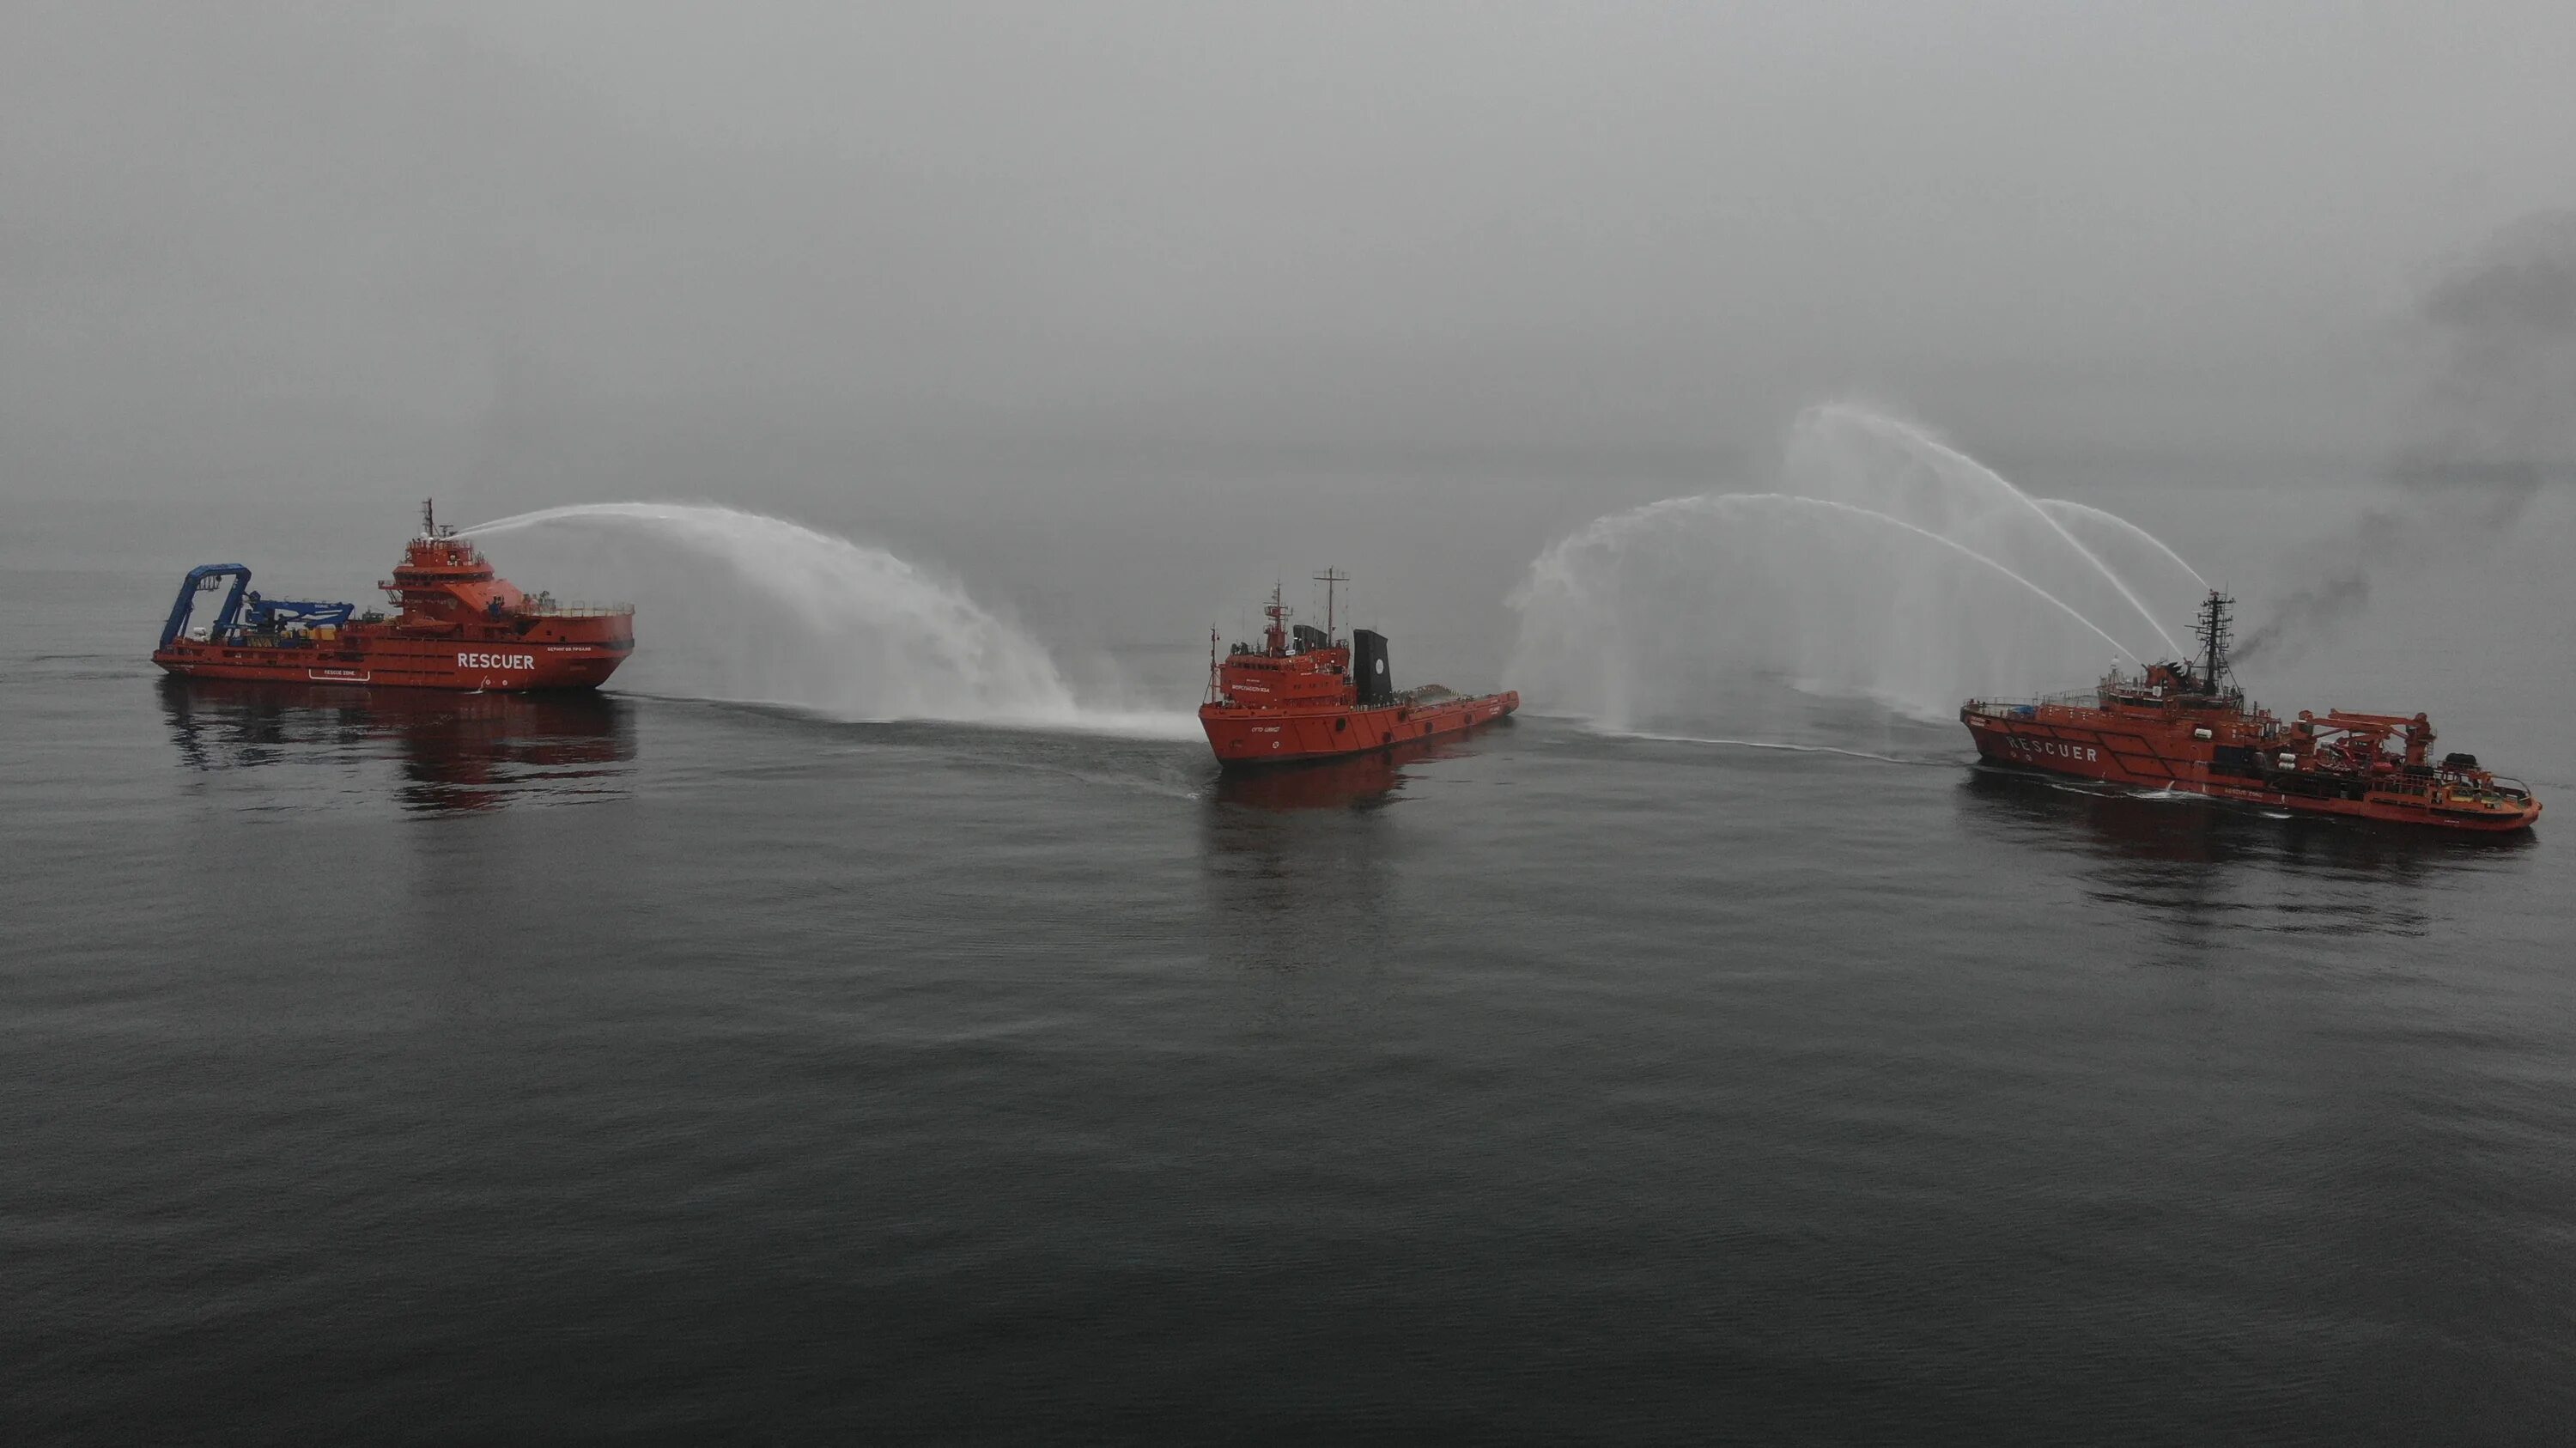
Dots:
{"x": 244, "y": 609}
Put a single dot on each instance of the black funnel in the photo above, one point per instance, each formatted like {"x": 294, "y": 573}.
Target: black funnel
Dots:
{"x": 1368, "y": 661}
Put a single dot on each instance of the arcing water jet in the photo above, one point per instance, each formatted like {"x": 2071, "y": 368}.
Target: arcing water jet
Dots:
{"x": 1955, "y": 583}
{"x": 743, "y": 606}
{"x": 2133, "y": 552}
{"x": 1853, "y": 455}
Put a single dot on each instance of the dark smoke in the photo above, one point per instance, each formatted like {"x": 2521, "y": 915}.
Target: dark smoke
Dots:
{"x": 2495, "y": 421}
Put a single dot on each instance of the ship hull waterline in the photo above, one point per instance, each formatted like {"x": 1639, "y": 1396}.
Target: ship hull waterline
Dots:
{"x": 405, "y": 664}
{"x": 2110, "y": 754}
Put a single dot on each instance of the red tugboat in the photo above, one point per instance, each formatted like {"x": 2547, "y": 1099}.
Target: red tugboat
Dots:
{"x": 459, "y": 627}
{"x": 2177, "y": 728}
{"x": 1305, "y": 694}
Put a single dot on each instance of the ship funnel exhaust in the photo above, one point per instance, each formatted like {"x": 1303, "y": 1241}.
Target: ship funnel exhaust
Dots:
{"x": 1368, "y": 658}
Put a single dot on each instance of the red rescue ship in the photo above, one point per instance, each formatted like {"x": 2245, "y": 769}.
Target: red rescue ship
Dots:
{"x": 2177, "y": 727}
{"x": 457, "y": 626}
{"x": 1304, "y": 694}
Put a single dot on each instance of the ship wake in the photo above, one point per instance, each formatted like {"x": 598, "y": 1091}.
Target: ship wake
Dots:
{"x": 744, "y": 607}
{"x": 1883, "y": 565}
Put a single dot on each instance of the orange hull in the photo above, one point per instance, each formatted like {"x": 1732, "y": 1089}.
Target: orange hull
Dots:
{"x": 516, "y": 666}
{"x": 1252, "y": 736}
{"x": 2148, "y": 753}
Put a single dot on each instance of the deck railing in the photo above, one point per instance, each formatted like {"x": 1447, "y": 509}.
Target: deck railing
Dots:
{"x": 2026, "y": 708}
{"x": 549, "y": 609}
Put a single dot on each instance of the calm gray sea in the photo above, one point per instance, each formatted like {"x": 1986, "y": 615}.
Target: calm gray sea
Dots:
{"x": 627, "y": 1069}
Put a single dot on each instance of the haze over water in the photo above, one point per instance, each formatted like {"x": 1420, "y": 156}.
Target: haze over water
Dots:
{"x": 876, "y": 1018}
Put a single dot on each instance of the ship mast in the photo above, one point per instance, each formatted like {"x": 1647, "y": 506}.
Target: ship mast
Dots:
{"x": 2217, "y": 613}
{"x": 1328, "y": 578}
{"x": 1277, "y": 634}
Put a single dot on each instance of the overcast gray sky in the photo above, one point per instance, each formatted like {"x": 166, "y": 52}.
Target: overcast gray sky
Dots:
{"x": 594, "y": 249}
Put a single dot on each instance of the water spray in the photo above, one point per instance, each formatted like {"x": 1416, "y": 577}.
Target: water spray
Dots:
{"x": 1894, "y": 569}
{"x": 742, "y": 606}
